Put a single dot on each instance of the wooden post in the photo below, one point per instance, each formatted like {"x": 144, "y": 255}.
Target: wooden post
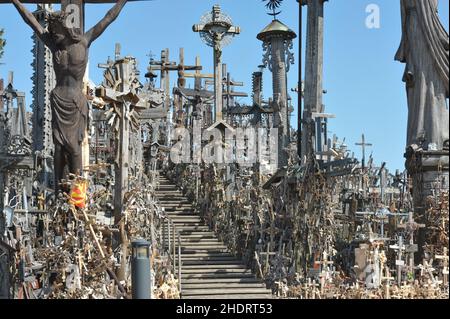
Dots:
{"x": 122, "y": 162}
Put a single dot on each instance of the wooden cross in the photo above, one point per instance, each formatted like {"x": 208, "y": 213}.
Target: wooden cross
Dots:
{"x": 363, "y": 145}
{"x": 120, "y": 92}
{"x": 229, "y": 85}
{"x": 399, "y": 247}
{"x": 427, "y": 267}
{"x": 165, "y": 66}
{"x": 411, "y": 226}
{"x": 323, "y": 272}
{"x": 318, "y": 117}
{"x": 444, "y": 258}
{"x": 198, "y": 76}
{"x": 218, "y": 30}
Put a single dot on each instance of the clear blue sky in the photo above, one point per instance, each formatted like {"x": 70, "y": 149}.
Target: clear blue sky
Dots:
{"x": 362, "y": 79}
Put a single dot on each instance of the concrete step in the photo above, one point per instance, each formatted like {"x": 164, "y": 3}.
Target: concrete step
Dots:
{"x": 207, "y": 281}
{"x": 225, "y": 291}
{"x": 206, "y": 257}
{"x": 197, "y": 236}
{"x": 186, "y": 229}
{"x": 202, "y": 285}
{"x": 170, "y": 210}
{"x": 185, "y": 276}
{"x": 208, "y": 242}
{"x": 216, "y": 267}
{"x": 215, "y": 271}
{"x": 203, "y": 262}
{"x": 174, "y": 214}
{"x": 181, "y": 208}
{"x": 170, "y": 203}
{"x": 206, "y": 245}
{"x": 231, "y": 296}
{"x": 192, "y": 219}
{"x": 203, "y": 250}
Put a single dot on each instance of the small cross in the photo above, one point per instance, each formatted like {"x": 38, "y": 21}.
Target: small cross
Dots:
{"x": 444, "y": 258}
{"x": 399, "y": 247}
{"x": 363, "y": 145}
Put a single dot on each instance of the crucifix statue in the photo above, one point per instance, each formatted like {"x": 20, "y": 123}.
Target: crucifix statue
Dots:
{"x": 69, "y": 45}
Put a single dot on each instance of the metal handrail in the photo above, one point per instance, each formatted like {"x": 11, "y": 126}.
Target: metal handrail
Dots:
{"x": 172, "y": 246}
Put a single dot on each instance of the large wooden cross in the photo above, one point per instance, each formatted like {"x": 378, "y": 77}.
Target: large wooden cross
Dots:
{"x": 165, "y": 66}
{"x": 363, "y": 145}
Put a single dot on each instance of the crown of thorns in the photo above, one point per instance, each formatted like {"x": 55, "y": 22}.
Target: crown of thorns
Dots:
{"x": 57, "y": 17}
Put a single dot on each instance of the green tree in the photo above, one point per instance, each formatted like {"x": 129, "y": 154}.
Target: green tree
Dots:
{"x": 2, "y": 42}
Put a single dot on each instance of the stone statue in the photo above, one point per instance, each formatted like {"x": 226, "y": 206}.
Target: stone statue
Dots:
{"x": 69, "y": 105}
{"x": 425, "y": 50}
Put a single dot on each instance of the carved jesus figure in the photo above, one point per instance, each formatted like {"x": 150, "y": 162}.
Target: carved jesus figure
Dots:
{"x": 425, "y": 50}
{"x": 70, "y": 49}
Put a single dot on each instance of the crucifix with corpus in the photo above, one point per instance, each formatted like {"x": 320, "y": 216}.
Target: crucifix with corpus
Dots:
{"x": 217, "y": 30}
{"x": 69, "y": 45}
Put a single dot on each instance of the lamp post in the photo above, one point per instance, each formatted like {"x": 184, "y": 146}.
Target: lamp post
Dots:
{"x": 140, "y": 270}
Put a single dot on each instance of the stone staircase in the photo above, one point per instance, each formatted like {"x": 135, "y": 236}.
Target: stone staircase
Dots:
{"x": 209, "y": 270}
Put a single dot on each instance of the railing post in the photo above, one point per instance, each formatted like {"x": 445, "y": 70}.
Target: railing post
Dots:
{"x": 168, "y": 237}
{"x": 179, "y": 262}
{"x": 163, "y": 232}
{"x": 174, "y": 243}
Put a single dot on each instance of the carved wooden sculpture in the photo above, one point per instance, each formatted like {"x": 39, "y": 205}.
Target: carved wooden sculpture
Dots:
{"x": 70, "y": 49}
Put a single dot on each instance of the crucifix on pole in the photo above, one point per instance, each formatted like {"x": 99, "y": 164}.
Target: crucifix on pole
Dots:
{"x": 216, "y": 30}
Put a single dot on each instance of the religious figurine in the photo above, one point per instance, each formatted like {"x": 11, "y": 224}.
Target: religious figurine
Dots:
{"x": 70, "y": 48}
{"x": 425, "y": 50}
